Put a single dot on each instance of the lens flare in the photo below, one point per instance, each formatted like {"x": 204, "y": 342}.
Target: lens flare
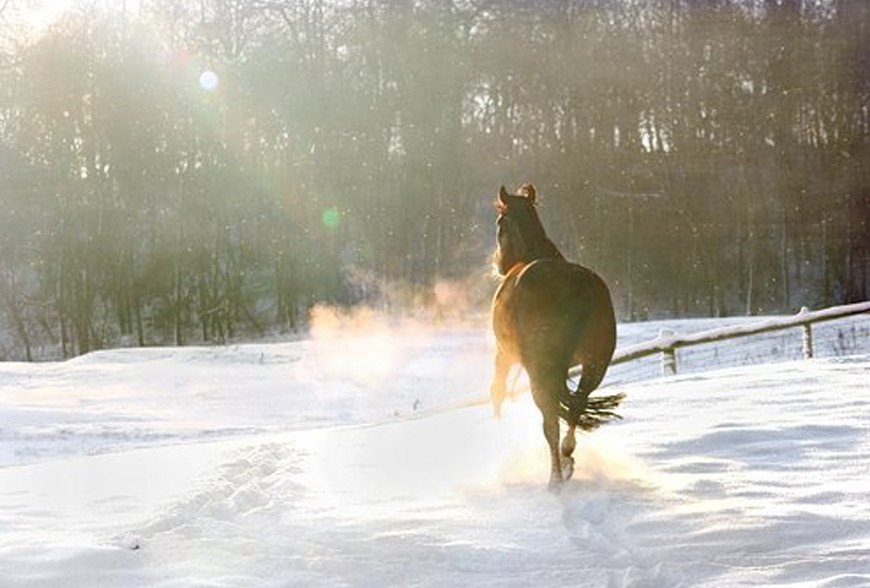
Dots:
{"x": 209, "y": 80}
{"x": 331, "y": 217}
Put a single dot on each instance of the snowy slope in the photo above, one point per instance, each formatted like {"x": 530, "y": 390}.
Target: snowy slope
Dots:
{"x": 306, "y": 463}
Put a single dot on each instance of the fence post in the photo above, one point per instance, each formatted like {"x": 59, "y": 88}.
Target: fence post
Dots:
{"x": 807, "y": 336}
{"x": 669, "y": 355}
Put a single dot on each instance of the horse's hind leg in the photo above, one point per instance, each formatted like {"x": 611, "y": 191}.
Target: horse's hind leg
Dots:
{"x": 589, "y": 381}
{"x": 551, "y": 432}
{"x": 593, "y": 373}
{"x": 569, "y": 441}
{"x": 546, "y": 398}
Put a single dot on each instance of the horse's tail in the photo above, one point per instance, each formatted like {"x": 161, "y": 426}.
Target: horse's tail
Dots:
{"x": 598, "y": 342}
{"x": 599, "y": 410}
{"x": 588, "y": 413}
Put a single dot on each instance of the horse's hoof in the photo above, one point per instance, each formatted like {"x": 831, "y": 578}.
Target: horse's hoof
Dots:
{"x": 567, "y": 468}
{"x": 555, "y": 485}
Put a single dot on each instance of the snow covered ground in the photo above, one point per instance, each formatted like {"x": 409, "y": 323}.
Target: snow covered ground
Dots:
{"x": 363, "y": 461}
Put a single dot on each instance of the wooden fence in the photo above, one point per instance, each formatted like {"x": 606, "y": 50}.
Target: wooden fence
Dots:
{"x": 668, "y": 342}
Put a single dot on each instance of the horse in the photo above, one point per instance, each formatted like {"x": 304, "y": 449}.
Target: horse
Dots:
{"x": 547, "y": 315}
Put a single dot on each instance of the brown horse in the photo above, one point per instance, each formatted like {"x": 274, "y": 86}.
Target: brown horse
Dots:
{"x": 548, "y": 315}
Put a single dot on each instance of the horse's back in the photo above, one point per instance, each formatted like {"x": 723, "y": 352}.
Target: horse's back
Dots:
{"x": 559, "y": 280}
{"x": 556, "y": 311}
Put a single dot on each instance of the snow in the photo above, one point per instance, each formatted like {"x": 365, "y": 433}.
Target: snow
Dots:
{"x": 366, "y": 461}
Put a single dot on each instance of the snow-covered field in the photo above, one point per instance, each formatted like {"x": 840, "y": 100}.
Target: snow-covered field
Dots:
{"x": 364, "y": 461}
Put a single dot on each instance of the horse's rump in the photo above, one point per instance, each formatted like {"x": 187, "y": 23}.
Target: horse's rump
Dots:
{"x": 554, "y": 312}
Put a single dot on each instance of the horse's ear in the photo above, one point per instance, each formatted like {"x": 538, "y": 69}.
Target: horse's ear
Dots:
{"x": 501, "y": 199}
{"x": 528, "y": 190}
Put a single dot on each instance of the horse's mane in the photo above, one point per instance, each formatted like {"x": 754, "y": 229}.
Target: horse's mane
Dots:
{"x": 537, "y": 241}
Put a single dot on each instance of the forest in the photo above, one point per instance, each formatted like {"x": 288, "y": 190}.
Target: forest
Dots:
{"x": 191, "y": 172}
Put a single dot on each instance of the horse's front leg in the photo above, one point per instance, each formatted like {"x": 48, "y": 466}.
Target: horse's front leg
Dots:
{"x": 498, "y": 388}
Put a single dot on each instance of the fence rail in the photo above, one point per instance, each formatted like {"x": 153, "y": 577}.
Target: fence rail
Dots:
{"x": 668, "y": 342}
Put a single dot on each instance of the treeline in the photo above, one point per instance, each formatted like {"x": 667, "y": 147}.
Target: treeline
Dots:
{"x": 189, "y": 172}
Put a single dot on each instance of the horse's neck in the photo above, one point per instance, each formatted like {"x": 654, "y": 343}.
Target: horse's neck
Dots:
{"x": 550, "y": 251}
{"x": 540, "y": 246}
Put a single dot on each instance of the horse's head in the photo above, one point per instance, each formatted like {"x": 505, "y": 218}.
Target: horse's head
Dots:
{"x": 518, "y": 228}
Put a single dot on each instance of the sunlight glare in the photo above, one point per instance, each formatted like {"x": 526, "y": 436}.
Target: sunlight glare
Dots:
{"x": 36, "y": 17}
{"x": 209, "y": 80}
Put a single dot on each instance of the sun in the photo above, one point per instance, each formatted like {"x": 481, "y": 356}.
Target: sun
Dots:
{"x": 33, "y": 18}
